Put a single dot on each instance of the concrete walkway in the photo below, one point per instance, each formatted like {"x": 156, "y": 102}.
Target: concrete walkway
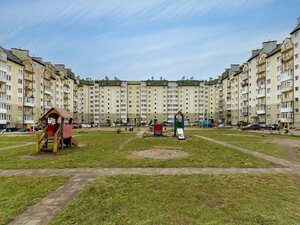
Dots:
{"x": 43, "y": 212}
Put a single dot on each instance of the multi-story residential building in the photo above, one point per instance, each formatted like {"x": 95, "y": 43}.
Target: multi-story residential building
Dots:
{"x": 265, "y": 89}
{"x": 295, "y": 40}
{"x": 273, "y": 93}
{"x": 3, "y": 81}
{"x": 287, "y": 82}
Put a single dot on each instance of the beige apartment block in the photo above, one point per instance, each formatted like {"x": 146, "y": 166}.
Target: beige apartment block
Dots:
{"x": 11, "y": 94}
{"x": 273, "y": 93}
{"x": 212, "y": 99}
{"x": 287, "y": 82}
{"x": 295, "y": 39}
{"x": 244, "y": 93}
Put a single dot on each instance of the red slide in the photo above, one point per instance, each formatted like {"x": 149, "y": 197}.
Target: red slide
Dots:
{"x": 74, "y": 141}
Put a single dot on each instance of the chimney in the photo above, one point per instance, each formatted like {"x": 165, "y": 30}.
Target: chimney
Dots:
{"x": 298, "y": 20}
{"x": 268, "y": 46}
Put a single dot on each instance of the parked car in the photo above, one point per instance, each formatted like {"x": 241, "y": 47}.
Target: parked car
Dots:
{"x": 12, "y": 129}
{"x": 2, "y": 131}
{"x": 222, "y": 126}
{"x": 86, "y": 126}
{"x": 252, "y": 127}
{"x": 271, "y": 127}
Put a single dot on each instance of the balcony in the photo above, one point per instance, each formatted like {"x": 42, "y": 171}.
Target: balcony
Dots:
{"x": 28, "y": 120}
{"x": 75, "y": 98}
{"x": 261, "y": 93}
{"x": 286, "y": 75}
{"x": 3, "y": 121}
{"x": 244, "y": 90}
{"x": 245, "y": 97}
{"x": 28, "y": 77}
{"x": 286, "y": 88}
{"x": 2, "y": 97}
{"x": 287, "y": 57}
{"x": 286, "y": 108}
{"x": 47, "y": 105}
{"x": 29, "y": 102}
{"x": 245, "y": 111}
{"x": 2, "y": 77}
{"x": 3, "y": 110}
{"x": 244, "y": 77}
{"x": 284, "y": 118}
{"x": 228, "y": 107}
{"x": 48, "y": 90}
{"x": 261, "y": 109}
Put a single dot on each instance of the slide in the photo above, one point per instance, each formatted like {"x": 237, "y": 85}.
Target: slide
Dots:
{"x": 74, "y": 141}
{"x": 180, "y": 134}
{"x": 148, "y": 130}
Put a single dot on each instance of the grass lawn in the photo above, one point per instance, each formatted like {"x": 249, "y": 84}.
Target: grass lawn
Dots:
{"x": 201, "y": 199}
{"x": 109, "y": 149}
{"x": 254, "y": 141}
{"x": 17, "y": 138}
{"x": 18, "y": 192}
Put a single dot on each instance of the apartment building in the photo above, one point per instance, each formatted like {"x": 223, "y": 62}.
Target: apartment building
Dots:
{"x": 264, "y": 89}
{"x": 295, "y": 40}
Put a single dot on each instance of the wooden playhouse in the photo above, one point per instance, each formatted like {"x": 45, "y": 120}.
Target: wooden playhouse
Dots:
{"x": 57, "y": 131}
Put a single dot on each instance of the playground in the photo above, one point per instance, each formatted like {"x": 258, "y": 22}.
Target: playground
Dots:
{"x": 113, "y": 177}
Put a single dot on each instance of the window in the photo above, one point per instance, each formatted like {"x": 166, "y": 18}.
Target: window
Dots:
{"x": 20, "y": 81}
{"x": 296, "y": 45}
{"x": 296, "y": 67}
{"x": 296, "y": 56}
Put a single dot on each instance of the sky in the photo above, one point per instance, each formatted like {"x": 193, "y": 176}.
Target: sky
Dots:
{"x": 140, "y": 39}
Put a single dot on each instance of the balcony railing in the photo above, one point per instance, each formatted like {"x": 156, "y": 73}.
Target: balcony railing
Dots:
{"x": 29, "y": 101}
{"x": 2, "y": 77}
{"x": 261, "y": 93}
{"x": 286, "y": 75}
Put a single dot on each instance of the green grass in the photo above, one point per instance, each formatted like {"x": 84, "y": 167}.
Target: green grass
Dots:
{"x": 17, "y": 138}
{"x": 196, "y": 199}
{"x": 18, "y": 192}
{"x": 109, "y": 149}
{"x": 250, "y": 140}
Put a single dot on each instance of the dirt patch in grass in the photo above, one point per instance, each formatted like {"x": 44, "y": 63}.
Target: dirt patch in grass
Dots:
{"x": 39, "y": 156}
{"x": 160, "y": 153}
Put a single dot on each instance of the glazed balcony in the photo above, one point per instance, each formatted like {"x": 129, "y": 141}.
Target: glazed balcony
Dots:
{"x": 2, "y": 97}
{"x": 286, "y": 75}
{"x": 244, "y": 90}
{"x": 3, "y": 77}
{"x": 287, "y": 57}
{"x": 3, "y": 109}
{"x": 261, "y": 93}
{"x": 244, "y": 77}
{"x": 286, "y": 87}
{"x": 29, "y": 102}
{"x": 48, "y": 90}
{"x": 286, "y": 107}
{"x": 261, "y": 109}
{"x": 28, "y": 120}
{"x": 28, "y": 77}
{"x": 245, "y": 97}
{"x": 245, "y": 111}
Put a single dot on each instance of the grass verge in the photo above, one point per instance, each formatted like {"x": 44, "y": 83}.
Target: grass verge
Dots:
{"x": 201, "y": 199}
{"x": 18, "y": 192}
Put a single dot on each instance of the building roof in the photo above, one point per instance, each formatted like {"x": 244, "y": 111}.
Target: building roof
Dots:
{"x": 255, "y": 53}
{"x": 275, "y": 50}
{"x": 12, "y": 57}
{"x": 109, "y": 82}
{"x": 188, "y": 82}
{"x": 212, "y": 82}
{"x": 296, "y": 28}
{"x": 156, "y": 83}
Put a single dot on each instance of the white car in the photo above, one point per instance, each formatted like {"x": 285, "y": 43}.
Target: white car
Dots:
{"x": 86, "y": 125}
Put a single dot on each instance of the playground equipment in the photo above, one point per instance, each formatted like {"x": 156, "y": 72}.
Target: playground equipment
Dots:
{"x": 179, "y": 126}
{"x": 54, "y": 136}
{"x": 157, "y": 129}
